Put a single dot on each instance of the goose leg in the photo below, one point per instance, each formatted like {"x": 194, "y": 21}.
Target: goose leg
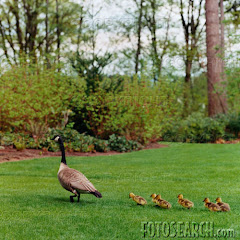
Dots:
{"x": 78, "y": 197}
{"x": 71, "y": 197}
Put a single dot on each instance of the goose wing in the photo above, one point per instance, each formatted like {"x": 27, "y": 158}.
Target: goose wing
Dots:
{"x": 77, "y": 180}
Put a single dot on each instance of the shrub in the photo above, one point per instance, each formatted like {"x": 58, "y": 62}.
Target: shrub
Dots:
{"x": 233, "y": 124}
{"x": 33, "y": 98}
{"x": 73, "y": 140}
{"x": 101, "y": 145}
{"x": 139, "y": 112}
{"x": 121, "y": 144}
{"x": 196, "y": 129}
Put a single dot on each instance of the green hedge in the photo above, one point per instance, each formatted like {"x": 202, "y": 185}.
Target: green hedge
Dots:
{"x": 196, "y": 129}
{"x": 73, "y": 141}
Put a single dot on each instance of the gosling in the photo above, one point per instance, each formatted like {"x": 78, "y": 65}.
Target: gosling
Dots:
{"x": 213, "y": 207}
{"x": 138, "y": 199}
{"x": 224, "y": 206}
{"x": 185, "y": 202}
{"x": 162, "y": 203}
{"x": 153, "y": 196}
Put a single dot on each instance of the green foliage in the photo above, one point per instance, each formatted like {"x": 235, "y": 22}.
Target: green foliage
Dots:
{"x": 143, "y": 110}
{"x": 33, "y": 98}
{"x": 233, "y": 89}
{"x": 195, "y": 129}
{"x": 73, "y": 141}
{"x": 121, "y": 144}
{"x": 102, "y": 145}
{"x": 91, "y": 69}
{"x": 139, "y": 112}
{"x": 232, "y": 124}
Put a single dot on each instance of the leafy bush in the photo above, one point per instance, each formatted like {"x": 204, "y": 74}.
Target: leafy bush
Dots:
{"x": 121, "y": 144}
{"x": 233, "y": 89}
{"x": 139, "y": 112}
{"x": 196, "y": 129}
{"x": 101, "y": 145}
{"x": 233, "y": 124}
{"x": 73, "y": 141}
{"x": 33, "y": 98}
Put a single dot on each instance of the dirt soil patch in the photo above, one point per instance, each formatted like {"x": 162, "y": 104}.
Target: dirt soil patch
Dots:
{"x": 10, "y": 154}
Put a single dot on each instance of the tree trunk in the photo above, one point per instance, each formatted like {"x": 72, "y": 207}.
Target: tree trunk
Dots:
{"x": 139, "y": 33}
{"x": 216, "y": 99}
{"x": 58, "y": 33}
{"x": 222, "y": 37}
{"x": 47, "y": 38}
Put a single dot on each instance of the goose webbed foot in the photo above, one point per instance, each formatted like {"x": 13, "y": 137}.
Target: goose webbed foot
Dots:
{"x": 71, "y": 198}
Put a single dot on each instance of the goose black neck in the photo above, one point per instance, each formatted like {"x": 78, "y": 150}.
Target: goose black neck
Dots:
{"x": 63, "y": 152}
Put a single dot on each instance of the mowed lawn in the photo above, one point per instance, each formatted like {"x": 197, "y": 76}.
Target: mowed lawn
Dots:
{"x": 33, "y": 205}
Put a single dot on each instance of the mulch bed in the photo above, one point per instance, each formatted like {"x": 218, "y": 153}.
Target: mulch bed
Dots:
{"x": 10, "y": 154}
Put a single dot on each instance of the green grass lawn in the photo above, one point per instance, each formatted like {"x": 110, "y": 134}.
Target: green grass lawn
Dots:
{"x": 34, "y": 206}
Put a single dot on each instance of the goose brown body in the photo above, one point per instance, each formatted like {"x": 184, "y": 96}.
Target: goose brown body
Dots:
{"x": 73, "y": 180}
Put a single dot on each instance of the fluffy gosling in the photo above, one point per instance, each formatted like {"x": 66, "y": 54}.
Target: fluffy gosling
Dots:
{"x": 153, "y": 196}
{"x": 185, "y": 202}
{"x": 213, "y": 207}
{"x": 224, "y": 206}
{"x": 162, "y": 203}
{"x": 138, "y": 199}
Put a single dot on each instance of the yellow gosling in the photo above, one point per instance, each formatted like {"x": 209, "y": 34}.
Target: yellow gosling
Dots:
{"x": 213, "y": 207}
{"x": 162, "y": 203}
{"x": 153, "y": 196}
{"x": 138, "y": 199}
{"x": 185, "y": 202}
{"x": 224, "y": 206}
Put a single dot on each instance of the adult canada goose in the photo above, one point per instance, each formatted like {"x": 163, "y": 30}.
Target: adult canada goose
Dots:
{"x": 73, "y": 180}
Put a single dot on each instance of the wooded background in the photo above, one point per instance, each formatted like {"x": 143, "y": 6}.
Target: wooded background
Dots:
{"x": 87, "y": 54}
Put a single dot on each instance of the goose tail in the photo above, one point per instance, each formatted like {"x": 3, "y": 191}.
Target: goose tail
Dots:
{"x": 97, "y": 194}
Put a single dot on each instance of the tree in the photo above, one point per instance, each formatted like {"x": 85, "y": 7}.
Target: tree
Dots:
{"x": 216, "y": 99}
{"x": 28, "y": 28}
{"x": 139, "y": 33}
{"x": 158, "y": 47}
{"x": 192, "y": 32}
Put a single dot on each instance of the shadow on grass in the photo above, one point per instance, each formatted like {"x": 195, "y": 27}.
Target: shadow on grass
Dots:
{"x": 56, "y": 199}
